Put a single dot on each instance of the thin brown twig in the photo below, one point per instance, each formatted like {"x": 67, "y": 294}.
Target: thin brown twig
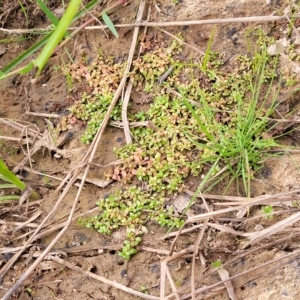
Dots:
{"x": 164, "y": 24}
{"x": 201, "y": 290}
{"x": 182, "y": 42}
{"x": 129, "y": 87}
{"x": 196, "y": 251}
{"x": 173, "y": 286}
{"x": 44, "y": 115}
{"x": 251, "y": 202}
{"x": 102, "y": 279}
{"x": 164, "y": 264}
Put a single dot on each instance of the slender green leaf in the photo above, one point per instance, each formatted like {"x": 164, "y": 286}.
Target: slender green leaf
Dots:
{"x": 202, "y": 126}
{"x": 9, "y": 197}
{"x": 27, "y": 68}
{"x": 109, "y": 24}
{"x": 41, "y": 43}
{"x": 7, "y": 186}
{"x": 57, "y": 35}
{"x": 48, "y": 13}
{"x": 24, "y": 55}
{"x": 9, "y": 176}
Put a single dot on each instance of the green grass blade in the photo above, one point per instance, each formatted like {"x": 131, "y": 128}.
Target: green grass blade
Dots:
{"x": 9, "y": 197}
{"x": 87, "y": 8}
{"x": 9, "y": 176}
{"x": 207, "y": 52}
{"x": 48, "y": 13}
{"x": 57, "y": 35}
{"x": 24, "y": 55}
{"x": 202, "y": 126}
{"x": 7, "y": 186}
{"x": 109, "y": 24}
{"x": 40, "y": 43}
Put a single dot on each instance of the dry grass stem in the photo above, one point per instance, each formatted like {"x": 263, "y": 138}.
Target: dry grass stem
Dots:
{"x": 22, "y": 141}
{"x": 129, "y": 87}
{"x": 44, "y": 115}
{"x": 30, "y": 225}
{"x": 196, "y": 251}
{"x": 163, "y": 24}
{"x": 251, "y": 202}
{"x": 212, "y": 286}
{"x": 183, "y": 43}
{"x": 164, "y": 264}
{"x": 102, "y": 279}
{"x": 224, "y": 275}
{"x": 172, "y": 234}
{"x": 278, "y": 226}
{"x": 173, "y": 286}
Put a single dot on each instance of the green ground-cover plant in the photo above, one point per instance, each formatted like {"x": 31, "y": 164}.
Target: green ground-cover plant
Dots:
{"x": 240, "y": 144}
{"x": 224, "y": 126}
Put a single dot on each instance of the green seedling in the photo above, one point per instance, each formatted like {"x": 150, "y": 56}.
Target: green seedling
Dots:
{"x": 144, "y": 289}
{"x": 268, "y": 211}
{"x": 216, "y": 264}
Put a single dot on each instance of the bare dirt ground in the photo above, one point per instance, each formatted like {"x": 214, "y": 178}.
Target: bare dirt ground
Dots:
{"x": 93, "y": 253}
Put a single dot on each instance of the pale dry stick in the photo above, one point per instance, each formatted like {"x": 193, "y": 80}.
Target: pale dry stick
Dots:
{"x": 56, "y": 227}
{"x": 234, "y": 203}
{"x": 230, "y": 290}
{"x": 125, "y": 123}
{"x": 238, "y": 256}
{"x": 149, "y": 124}
{"x": 164, "y": 263}
{"x": 30, "y": 225}
{"x": 182, "y": 42}
{"x": 204, "y": 22}
{"x": 28, "y": 149}
{"x": 230, "y": 230}
{"x": 20, "y": 127}
{"x": 274, "y": 213}
{"x": 9, "y": 138}
{"x": 102, "y": 279}
{"x": 125, "y": 103}
{"x": 292, "y": 24}
{"x": 96, "y": 19}
{"x": 163, "y": 24}
{"x": 172, "y": 234}
{"x": 30, "y": 113}
{"x": 196, "y": 251}
{"x": 154, "y": 250}
{"x": 219, "y": 197}
{"x": 206, "y": 288}
{"x": 175, "y": 239}
{"x": 29, "y": 221}
{"x": 173, "y": 286}
{"x": 255, "y": 201}
{"x": 265, "y": 233}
